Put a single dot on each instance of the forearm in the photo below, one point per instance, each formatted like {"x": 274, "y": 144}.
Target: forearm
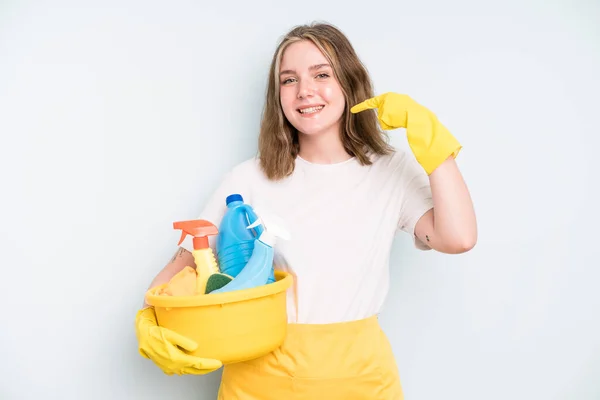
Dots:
{"x": 454, "y": 222}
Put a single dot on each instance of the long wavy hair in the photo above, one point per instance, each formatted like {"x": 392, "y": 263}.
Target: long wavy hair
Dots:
{"x": 278, "y": 143}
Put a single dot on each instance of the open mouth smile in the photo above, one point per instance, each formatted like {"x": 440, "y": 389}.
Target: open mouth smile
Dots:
{"x": 310, "y": 110}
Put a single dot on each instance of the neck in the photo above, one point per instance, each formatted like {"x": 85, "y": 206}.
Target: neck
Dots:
{"x": 323, "y": 148}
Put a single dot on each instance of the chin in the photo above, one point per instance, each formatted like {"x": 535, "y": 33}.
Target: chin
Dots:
{"x": 315, "y": 126}
{"x": 311, "y": 130}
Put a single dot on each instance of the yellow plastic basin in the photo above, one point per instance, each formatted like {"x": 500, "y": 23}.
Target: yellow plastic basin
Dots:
{"x": 232, "y": 326}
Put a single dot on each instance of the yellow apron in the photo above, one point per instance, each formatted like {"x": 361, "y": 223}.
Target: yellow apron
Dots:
{"x": 345, "y": 361}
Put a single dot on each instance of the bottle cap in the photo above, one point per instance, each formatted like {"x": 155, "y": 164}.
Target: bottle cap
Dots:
{"x": 233, "y": 197}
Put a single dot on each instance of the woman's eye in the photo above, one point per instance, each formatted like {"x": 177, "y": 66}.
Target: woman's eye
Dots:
{"x": 288, "y": 80}
{"x": 323, "y": 76}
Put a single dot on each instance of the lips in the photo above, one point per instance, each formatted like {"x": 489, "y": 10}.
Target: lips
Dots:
{"x": 310, "y": 109}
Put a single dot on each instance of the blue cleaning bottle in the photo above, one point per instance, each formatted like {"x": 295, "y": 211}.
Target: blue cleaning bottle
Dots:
{"x": 235, "y": 242}
{"x": 260, "y": 266}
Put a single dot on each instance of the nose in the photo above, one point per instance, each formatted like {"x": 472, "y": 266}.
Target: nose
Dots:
{"x": 305, "y": 89}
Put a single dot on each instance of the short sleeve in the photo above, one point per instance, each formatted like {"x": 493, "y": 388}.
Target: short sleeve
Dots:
{"x": 416, "y": 199}
{"x": 215, "y": 208}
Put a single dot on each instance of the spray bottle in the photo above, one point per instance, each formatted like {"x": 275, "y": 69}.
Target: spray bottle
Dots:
{"x": 207, "y": 270}
{"x": 259, "y": 268}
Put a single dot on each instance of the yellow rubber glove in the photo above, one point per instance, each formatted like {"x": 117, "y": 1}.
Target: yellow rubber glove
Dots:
{"x": 164, "y": 347}
{"x": 429, "y": 140}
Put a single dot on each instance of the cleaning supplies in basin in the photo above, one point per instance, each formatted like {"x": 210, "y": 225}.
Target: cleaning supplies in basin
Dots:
{"x": 260, "y": 265}
{"x": 206, "y": 277}
{"x": 182, "y": 284}
{"x": 235, "y": 242}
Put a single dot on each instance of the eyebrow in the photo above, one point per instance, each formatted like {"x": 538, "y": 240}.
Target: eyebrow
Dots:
{"x": 312, "y": 67}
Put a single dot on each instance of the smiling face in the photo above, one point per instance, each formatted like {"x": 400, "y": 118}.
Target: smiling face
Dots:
{"x": 329, "y": 132}
{"x": 311, "y": 98}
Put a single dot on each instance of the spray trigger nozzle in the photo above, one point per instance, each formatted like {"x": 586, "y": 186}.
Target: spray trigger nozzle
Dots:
{"x": 199, "y": 229}
{"x": 273, "y": 228}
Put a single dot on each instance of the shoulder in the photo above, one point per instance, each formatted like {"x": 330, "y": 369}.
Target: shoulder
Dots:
{"x": 396, "y": 162}
{"x": 248, "y": 169}
{"x": 246, "y": 174}
{"x": 240, "y": 179}
{"x": 399, "y": 167}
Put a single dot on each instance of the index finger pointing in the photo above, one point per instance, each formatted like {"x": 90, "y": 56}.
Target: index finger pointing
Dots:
{"x": 373, "y": 102}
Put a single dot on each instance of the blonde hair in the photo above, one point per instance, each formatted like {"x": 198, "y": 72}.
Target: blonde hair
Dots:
{"x": 278, "y": 143}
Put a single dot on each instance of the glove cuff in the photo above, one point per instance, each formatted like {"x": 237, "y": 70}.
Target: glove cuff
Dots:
{"x": 437, "y": 154}
{"x": 430, "y": 141}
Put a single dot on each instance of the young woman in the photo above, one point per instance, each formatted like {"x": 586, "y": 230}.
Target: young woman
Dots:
{"x": 326, "y": 169}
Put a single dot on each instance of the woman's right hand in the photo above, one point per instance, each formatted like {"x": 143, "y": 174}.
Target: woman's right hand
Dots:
{"x": 164, "y": 347}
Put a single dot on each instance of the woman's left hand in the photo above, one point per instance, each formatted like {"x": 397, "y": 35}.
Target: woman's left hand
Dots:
{"x": 428, "y": 139}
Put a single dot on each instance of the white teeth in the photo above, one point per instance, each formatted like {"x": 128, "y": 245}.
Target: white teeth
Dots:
{"x": 310, "y": 110}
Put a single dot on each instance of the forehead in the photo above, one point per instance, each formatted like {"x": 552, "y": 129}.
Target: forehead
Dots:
{"x": 301, "y": 56}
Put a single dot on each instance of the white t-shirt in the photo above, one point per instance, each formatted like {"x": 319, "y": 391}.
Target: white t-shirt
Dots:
{"x": 342, "y": 219}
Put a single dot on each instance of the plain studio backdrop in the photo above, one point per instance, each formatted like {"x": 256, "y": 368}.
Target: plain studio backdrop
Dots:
{"x": 118, "y": 118}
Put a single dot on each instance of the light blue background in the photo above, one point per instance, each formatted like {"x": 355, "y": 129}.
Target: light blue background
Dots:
{"x": 118, "y": 118}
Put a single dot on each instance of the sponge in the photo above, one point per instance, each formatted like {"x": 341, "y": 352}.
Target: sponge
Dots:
{"x": 217, "y": 281}
{"x": 182, "y": 284}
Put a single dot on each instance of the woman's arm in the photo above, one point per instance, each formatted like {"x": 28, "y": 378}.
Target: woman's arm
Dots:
{"x": 450, "y": 227}
{"x": 180, "y": 260}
